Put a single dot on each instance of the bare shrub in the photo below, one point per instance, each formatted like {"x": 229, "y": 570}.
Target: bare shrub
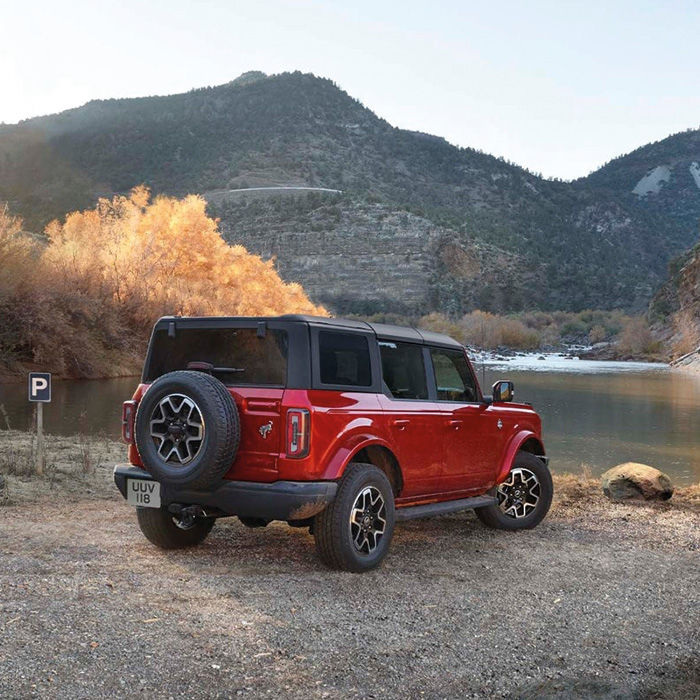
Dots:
{"x": 597, "y": 334}
{"x": 439, "y": 323}
{"x": 637, "y": 338}
{"x": 5, "y": 416}
{"x": 486, "y": 330}
{"x": 686, "y": 336}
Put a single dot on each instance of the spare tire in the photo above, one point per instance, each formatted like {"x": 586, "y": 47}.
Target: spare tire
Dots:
{"x": 187, "y": 429}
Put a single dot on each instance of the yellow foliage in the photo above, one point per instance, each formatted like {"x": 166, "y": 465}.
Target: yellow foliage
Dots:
{"x": 83, "y": 305}
{"x": 165, "y": 257}
{"x": 17, "y": 253}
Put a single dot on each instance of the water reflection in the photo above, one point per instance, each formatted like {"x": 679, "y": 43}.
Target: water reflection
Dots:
{"x": 597, "y": 419}
{"x": 92, "y": 407}
{"x": 601, "y": 420}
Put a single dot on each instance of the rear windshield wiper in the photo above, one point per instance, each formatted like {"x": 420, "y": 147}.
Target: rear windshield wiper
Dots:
{"x": 208, "y": 367}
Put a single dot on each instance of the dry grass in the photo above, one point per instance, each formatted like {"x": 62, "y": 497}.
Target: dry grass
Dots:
{"x": 87, "y": 460}
{"x": 574, "y": 489}
{"x": 81, "y": 464}
{"x": 689, "y": 496}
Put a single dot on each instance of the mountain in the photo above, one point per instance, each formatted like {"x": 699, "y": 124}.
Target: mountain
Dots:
{"x": 417, "y": 225}
{"x": 659, "y": 182}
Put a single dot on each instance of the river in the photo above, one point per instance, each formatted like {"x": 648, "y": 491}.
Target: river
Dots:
{"x": 594, "y": 413}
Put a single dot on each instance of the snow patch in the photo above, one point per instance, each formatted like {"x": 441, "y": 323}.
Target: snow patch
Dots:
{"x": 652, "y": 182}
{"x": 695, "y": 172}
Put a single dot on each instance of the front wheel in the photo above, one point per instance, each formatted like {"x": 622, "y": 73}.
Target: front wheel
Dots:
{"x": 166, "y": 531}
{"x": 354, "y": 532}
{"x": 524, "y": 497}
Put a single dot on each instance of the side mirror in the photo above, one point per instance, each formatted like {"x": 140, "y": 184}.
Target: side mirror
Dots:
{"x": 503, "y": 390}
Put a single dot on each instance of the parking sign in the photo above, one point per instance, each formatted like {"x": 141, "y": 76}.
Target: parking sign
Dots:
{"x": 40, "y": 387}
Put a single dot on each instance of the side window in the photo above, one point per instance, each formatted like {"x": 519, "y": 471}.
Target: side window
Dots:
{"x": 344, "y": 359}
{"x": 452, "y": 375}
{"x": 403, "y": 370}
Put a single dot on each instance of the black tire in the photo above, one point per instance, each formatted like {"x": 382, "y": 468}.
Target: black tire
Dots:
{"x": 332, "y": 529}
{"x": 220, "y": 424}
{"x": 160, "y": 529}
{"x": 495, "y": 517}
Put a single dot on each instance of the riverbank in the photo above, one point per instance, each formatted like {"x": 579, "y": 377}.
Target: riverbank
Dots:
{"x": 599, "y": 601}
{"x": 84, "y": 464}
{"x": 591, "y": 335}
{"x": 570, "y": 352}
{"x": 689, "y": 363}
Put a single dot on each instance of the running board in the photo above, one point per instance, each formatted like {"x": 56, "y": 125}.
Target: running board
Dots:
{"x": 444, "y": 507}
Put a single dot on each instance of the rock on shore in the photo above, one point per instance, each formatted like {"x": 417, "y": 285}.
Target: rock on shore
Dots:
{"x": 636, "y": 481}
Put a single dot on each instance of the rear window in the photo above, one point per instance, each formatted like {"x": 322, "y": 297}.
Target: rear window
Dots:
{"x": 237, "y": 354}
{"x": 344, "y": 359}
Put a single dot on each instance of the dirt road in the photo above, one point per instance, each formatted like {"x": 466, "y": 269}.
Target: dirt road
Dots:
{"x": 601, "y": 601}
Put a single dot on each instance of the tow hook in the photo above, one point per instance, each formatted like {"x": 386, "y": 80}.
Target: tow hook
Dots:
{"x": 186, "y": 514}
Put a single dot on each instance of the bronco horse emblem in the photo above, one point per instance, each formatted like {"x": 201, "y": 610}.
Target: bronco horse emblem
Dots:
{"x": 265, "y": 429}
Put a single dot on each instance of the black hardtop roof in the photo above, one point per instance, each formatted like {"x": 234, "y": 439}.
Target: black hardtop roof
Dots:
{"x": 383, "y": 331}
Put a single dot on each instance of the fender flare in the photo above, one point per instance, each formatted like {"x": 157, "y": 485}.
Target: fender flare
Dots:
{"x": 336, "y": 465}
{"x": 516, "y": 442}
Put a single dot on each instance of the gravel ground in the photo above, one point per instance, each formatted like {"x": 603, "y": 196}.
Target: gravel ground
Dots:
{"x": 600, "y": 601}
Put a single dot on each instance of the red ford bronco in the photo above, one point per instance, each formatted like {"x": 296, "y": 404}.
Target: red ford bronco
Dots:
{"x": 340, "y": 426}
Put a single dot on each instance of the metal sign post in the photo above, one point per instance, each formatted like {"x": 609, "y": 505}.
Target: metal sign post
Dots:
{"x": 40, "y": 393}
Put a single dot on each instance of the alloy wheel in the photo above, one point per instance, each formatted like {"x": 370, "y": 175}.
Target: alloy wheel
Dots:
{"x": 519, "y": 494}
{"x": 368, "y": 520}
{"x": 177, "y": 429}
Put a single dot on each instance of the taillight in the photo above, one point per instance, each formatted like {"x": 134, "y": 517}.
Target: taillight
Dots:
{"x": 128, "y": 415}
{"x": 298, "y": 423}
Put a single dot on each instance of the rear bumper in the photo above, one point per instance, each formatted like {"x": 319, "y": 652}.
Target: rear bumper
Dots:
{"x": 280, "y": 500}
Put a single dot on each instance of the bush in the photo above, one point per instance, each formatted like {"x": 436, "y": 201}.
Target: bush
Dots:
{"x": 637, "y": 339}
{"x": 485, "y": 330}
{"x": 439, "y": 323}
{"x": 597, "y": 334}
{"x": 83, "y": 306}
{"x": 686, "y": 336}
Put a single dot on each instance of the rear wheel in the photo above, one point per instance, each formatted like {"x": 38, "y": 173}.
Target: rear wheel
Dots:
{"x": 354, "y": 532}
{"x": 524, "y": 497}
{"x": 167, "y": 531}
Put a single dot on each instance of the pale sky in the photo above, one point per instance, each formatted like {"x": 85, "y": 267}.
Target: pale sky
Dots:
{"x": 558, "y": 86}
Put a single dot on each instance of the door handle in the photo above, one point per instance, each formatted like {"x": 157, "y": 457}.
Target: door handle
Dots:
{"x": 454, "y": 424}
{"x": 400, "y": 423}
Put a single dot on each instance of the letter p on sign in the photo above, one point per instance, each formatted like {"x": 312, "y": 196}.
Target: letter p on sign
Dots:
{"x": 40, "y": 387}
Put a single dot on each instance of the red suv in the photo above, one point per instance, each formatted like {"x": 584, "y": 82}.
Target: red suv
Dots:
{"x": 340, "y": 426}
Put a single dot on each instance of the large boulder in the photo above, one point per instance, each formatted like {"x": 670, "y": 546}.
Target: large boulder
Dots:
{"x": 636, "y": 481}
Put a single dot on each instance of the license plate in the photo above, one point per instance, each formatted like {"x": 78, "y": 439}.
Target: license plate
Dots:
{"x": 143, "y": 493}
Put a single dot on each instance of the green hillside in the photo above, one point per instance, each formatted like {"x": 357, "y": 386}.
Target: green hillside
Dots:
{"x": 484, "y": 232}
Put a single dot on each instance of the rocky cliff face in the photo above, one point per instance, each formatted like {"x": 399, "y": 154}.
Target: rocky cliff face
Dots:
{"x": 360, "y": 257}
{"x": 675, "y": 309}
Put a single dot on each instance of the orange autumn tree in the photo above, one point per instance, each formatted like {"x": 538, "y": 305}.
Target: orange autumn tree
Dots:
{"x": 18, "y": 253}
{"x": 165, "y": 256}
